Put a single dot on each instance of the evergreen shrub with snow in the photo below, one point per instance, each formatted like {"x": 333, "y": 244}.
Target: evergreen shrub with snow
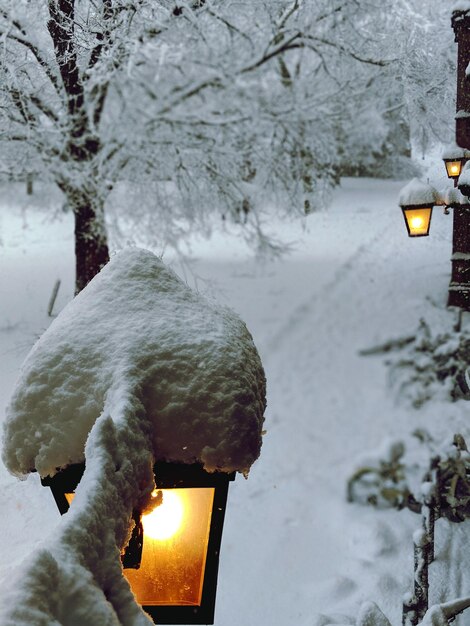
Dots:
{"x": 432, "y": 365}
{"x": 441, "y": 490}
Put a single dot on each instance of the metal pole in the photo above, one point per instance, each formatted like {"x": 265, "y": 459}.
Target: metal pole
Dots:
{"x": 459, "y": 288}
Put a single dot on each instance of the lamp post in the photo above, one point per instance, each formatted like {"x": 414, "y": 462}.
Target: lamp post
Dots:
{"x": 415, "y": 206}
{"x": 459, "y": 288}
{"x": 461, "y": 26}
{"x": 171, "y": 562}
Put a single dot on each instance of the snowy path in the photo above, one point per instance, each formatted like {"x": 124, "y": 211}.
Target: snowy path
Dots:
{"x": 292, "y": 546}
{"x": 327, "y": 406}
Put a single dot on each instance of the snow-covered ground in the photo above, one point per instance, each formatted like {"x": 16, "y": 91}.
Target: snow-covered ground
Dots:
{"x": 293, "y": 548}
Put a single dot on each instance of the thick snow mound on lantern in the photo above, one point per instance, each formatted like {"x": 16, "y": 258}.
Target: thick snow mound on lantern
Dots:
{"x": 137, "y": 333}
{"x": 417, "y": 192}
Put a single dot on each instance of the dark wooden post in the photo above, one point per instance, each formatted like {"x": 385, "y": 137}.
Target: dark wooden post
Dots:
{"x": 459, "y": 288}
{"x": 461, "y": 26}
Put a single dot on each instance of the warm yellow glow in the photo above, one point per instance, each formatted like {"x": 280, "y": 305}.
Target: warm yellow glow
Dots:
{"x": 418, "y": 220}
{"x": 172, "y": 569}
{"x": 176, "y": 536}
{"x": 453, "y": 168}
{"x": 166, "y": 518}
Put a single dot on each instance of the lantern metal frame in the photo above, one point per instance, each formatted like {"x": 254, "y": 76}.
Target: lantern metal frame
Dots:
{"x": 167, "y": 476}
{"x": 410, "y": 207}
{"x": 462, "y": 161}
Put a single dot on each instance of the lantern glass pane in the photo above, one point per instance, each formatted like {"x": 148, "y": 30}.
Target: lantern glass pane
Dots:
{"x": 69, "y": 497}
{"x": 453, "y": 168}
{"x": 418, "y": 220}
{"x": 176, "y": 536}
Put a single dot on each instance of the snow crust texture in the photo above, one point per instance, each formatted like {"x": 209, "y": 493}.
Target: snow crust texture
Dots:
{"x": 138, "y": 335}
{"x": 454, "y": 196}
{"x": 417, "y": 192}
{"x": 453, "y": 151}
{"x": 461, "y": 6}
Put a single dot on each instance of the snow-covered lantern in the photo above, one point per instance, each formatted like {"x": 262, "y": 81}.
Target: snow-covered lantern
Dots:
{"x": 137, "y": 369}
{"x": 417, "y": 200}
{"x": 454, "y": 167}
{"x": 454, "y": 159}
{"x": 171, "y": 562}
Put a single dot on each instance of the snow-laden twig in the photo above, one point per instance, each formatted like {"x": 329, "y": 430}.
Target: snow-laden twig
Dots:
{"x": 387, "y": 346}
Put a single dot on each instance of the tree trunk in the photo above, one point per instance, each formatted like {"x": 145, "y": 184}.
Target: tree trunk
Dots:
{"x": 91, "y": 242}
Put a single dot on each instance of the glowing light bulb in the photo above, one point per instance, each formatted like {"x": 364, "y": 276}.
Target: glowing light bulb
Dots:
{"x": 454, "y": 170}
{"x": 417, "y": 222}
{"x": 166, "y": 518}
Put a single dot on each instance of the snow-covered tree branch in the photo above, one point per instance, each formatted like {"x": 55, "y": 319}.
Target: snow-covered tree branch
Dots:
{"x": 191, "y": 109}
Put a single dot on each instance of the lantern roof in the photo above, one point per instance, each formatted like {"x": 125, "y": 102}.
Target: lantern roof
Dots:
{"x": 139, "y": 332}
{"x": 417, "y": 193}
{"x": 453, "y": 152}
